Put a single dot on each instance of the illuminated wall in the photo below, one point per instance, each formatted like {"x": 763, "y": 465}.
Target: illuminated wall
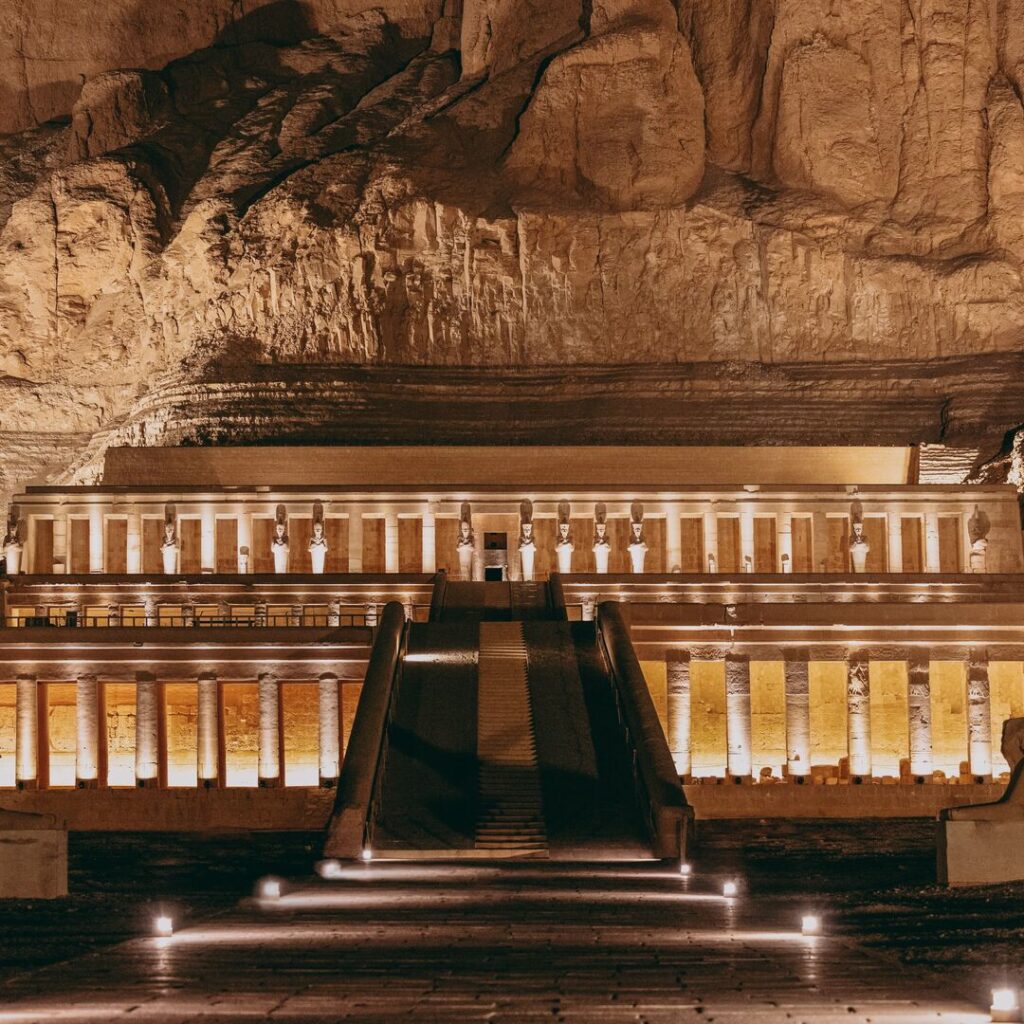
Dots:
{"x": 708, "y": 730}
{"x": 301, "y": 716}
{"x": 181, "y": 733}
{"x": 949, "y": 716}
{"x": 7, "y": 733}
{"x": 241, "y": 733}
{"x": 827, "y": 694}
{"x": 768, "y": 716}
{"x": 1006, "y": 682}
{"x": 62, "y": 729}
{"x": 890, "y": 726}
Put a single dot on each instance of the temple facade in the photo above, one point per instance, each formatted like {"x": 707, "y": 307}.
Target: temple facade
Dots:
{"x": 202, "y": 619}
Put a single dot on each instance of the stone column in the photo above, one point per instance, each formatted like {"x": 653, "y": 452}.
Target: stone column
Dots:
{"x": 710, "y": 541}
{"x": 737, "y": 710}
{"x": 26, "y": 737}
{"x": 858, "y": 711}
{"x": 87, "y": 717}
{"x": 244, "y": 541}
{"x": 589, "y": 608}
{"x": 330, "y": 747}
{"x": 370, "y": 615}
{"x": 60, "y": 543}
{"x": 355, "y": 541}
{"x": 133, "y": 555}
{"x": 894, "y": 529}
{"x": 677, "y": 669}
{"x": 96, "y": 539}
{"x": 150, "y": 611}
{"x": 673, "y": 539}
{"x": 334, "y": 613}
{"x": 979, "y": 714}
{"x": 429, "y": 545}
{"x": 207, "y": 539}
{"x": 147, "y": 730}
{"x": 919, "y": 711}
{"x": 798, "y": 714}
{"x": 391, "y": 542}
{"x": 747, "y": 551}
{"x": 270, "y": 731}
{"x": 208, "y": 727}
{"x": 784, "y": 526}
{"x": 931, "y": 542}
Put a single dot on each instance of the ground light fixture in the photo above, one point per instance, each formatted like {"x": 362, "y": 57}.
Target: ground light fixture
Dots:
{"x": 330, "y": 869}
{"x": 163, "y": 926}
{"x": 367, "y": 854}
{"x": 270, "y": 889}
{"x": 810, "y": 924}
{"x": 1005, "y": 1005}
{"x": 730, "y": 889}
{"x": 685, "y": 869}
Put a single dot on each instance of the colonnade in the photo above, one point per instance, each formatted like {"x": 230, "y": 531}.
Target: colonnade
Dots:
{"x": 739, "y": 756}
{"x": 209, "y": 734}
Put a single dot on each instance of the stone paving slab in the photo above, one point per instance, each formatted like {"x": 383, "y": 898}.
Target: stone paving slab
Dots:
{"x": 520, "y": 944}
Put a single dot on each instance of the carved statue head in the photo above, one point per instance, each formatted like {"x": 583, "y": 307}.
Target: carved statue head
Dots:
{"x": 279, "y": 533}
{"x": 465, "y": 526}
{"x": 281, "y": 525}
{"x": 978, "y": 525}
{"x": 600, "y": 523}
{"x": 170, "y": 525}
{"x": 11, "y": 533}
{"x": 527, "y": 533}
{"x": 637, "y": 532}
{"x": 563, "y": 533}
{"x": 318, "y": 530}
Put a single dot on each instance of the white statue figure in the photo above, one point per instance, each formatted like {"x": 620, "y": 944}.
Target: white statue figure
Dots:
{"x": 279, "y": 544}
{"x": 318, "y": 542}
{"x": 170, "y": 547}
{"x": 243, "y": 559}
{"x": 859, "y": 546}
{"x": 637, "y": 544}
{"x": 564, "y": 546}
{"x": 12, "y": 545}
{"x": 977, "y": 528}
{"x": 466, "y": 544}
{"x": 712, "y": 563}
{"x": 527, "y": 543}
{"x": 602, "y": 548}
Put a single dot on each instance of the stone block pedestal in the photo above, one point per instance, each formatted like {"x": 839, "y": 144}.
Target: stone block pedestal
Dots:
{"x": 33, "y": 857}
{"x": 980, "y": 852}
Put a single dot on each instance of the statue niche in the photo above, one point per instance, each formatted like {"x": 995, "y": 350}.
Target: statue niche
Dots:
{"x": 527, "y": 543}
{"x": 602, "y": 546}
{"x": 563, "y": 545}
{"x": 637, "y": 544}
{"x": 279, "y": 543}
{"x": 465, "y": 546}
{"x": 170, "y": 548}
{"x": 318, "y": 541}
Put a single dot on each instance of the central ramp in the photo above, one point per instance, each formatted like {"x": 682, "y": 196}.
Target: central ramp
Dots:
{"x": 511, "y": 821}
{"x": 501, "y": 730}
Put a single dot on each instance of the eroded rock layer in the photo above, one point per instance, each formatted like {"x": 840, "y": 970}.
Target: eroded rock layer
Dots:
{"x": 821, "y": 204}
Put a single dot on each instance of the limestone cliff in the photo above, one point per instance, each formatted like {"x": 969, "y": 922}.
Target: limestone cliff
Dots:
{"x": 819, "y": 203}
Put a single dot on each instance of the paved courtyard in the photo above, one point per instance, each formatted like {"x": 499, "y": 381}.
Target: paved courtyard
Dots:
{"x": 527, "y": 942}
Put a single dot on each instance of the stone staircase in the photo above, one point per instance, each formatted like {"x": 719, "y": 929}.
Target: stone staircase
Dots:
{"x": 511, "y": 818}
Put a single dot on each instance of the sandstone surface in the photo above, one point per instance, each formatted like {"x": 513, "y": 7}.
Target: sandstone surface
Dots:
{"x": 214, "y": 220}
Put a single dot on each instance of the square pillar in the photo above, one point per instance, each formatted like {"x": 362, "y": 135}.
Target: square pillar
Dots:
{"x": 798, "y": 715}
{"x": 330, "y": 746}
{"x": 355, "y": 541}
{"x": 894, "y": 529}
{"x": 979, "y": 714}
{"x": 96, "y": 539}
{"x": 737, "y": 721}
{"x": 270, "y": 730}
{"x": 60, "y": 543}
{"x": 784, "y": 540}
{"x": 391, "y": 542}
{"x": 29, "y": 557}
{"x": 26, "y": 736}
{"x": 208, "y": 540}
{"x": 710, "y": 542}
{"x": 746, "y": 540}
{"x": 208, "y": 728}
{"x": 858, "y": 715}
{"x": 87, "y": 718}
{"x": 919, "y": 712}
{"x": 932, "y": 561}
{"x": 429, "y": 545}
{"x": 147, "y": 730}
{"x": 677, "y": 670}
{"x": 244, "y": 552}
{"x": 133, "y": 554}
{"x": 673, "y": 539}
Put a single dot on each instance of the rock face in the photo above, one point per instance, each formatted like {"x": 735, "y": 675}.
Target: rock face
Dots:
{"x": 759, "y": 184}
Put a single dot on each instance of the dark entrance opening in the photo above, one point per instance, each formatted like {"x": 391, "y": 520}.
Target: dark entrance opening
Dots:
{"x": 494, "y": 574}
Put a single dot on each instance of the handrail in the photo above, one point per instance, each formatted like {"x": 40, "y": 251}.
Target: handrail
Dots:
{"x": 557, "y": 594}
{"x": 437, "y": 595}
{"x": 656, "y": 775}
{"x": 346, "y": 832}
